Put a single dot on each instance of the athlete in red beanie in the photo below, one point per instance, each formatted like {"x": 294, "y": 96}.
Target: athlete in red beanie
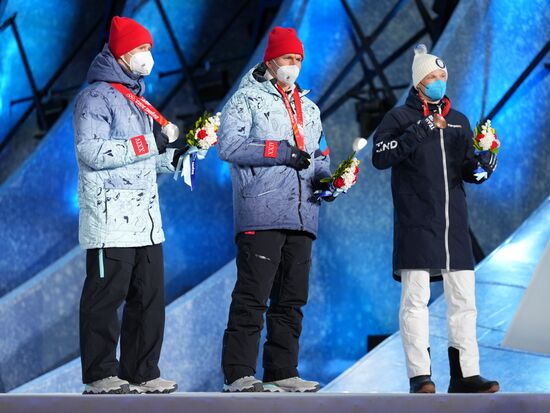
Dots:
{"x": 119, "y": 136}
{"x": 270, "y": 125}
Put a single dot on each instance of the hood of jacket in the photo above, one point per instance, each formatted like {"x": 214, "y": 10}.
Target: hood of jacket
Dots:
{"x": 105, "y": 68}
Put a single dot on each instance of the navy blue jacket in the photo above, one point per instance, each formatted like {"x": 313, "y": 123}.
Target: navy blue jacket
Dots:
{"x": 428, "y": 174}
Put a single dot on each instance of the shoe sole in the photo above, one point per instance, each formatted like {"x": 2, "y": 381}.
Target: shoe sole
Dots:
{"x": 256, "y": 388}
{"x": 273, "y": 389}
{"x": 493, "y": 389}
{"x": 124, "y": 389}
{"x": 294, "y": 390}
{"x": 163, "y": 391}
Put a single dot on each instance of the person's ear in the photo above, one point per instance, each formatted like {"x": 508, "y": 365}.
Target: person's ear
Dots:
{"x": 269, "y": 65}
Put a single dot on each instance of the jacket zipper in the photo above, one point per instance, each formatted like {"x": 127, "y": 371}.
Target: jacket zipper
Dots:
{"x": 300, "y": 201}
{"x": 444, "y": 157}
{"x": 299, "y": 181}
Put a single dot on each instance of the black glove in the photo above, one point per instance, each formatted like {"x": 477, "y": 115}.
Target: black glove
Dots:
{"x": 324, "y": 186}
{"x": 427, "y": 124}
{"x": 177, "y": 154}
{"x": 160, "y": 138}
{"x": 292, "y": 156}
{"x": 298, "y": 159}
{"x": 488, "y": 161}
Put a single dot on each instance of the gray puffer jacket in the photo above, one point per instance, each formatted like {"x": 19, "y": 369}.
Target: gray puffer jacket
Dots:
{"x": 267, "y": 194}
{"x": 118, "y": 162}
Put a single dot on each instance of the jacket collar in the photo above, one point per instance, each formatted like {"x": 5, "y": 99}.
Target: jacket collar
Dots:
{"x": 269, "y": 85}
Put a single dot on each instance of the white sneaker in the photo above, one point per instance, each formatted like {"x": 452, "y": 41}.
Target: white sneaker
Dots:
{"x": 244, "y": 384}
{"x": 108, "y": 385}
{"x": 155, "y": 386}
{"x": 293, "y": 385}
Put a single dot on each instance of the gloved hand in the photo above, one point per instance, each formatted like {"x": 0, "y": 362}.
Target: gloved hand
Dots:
{"x": 488, "y": 161}
{"x": 294, "y": 157}
{"x": 160, "y": 137}
{"x": 180, "y": 151}
{"x": 165, "y": 135}
{"x": 299, "y": 159}
{"x": 177, "y": 154}
{"x": 427, "y": 124}
{"x": 327, "y": 190}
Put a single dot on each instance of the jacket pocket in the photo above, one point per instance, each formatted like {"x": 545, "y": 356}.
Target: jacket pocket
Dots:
{"x": 126, "y": 255}
{"x": 127, "y": 209}
{"x": 260, "y": 183}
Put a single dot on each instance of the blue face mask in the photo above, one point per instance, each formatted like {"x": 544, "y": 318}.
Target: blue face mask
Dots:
{"x": 435, "y": 90}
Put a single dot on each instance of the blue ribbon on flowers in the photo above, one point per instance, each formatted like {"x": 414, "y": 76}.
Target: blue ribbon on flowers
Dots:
{"x": 187, "y": 164}
{"x": 332, "y": 191}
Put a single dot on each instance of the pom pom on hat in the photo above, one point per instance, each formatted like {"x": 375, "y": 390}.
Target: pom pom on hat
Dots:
{"x": 420, "y": 49}
{"x": 424, "y": 64}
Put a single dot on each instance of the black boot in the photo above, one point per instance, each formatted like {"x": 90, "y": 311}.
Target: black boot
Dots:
{"x": 472, "y": 384}
{"x": 422, "y": 384}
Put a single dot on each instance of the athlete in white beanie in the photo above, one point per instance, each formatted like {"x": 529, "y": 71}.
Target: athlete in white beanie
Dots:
{"x": 429, "y": 74}
{"x": 428, "y": 145}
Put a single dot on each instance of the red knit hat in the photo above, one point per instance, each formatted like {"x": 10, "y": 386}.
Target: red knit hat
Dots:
{"x": 281, "y": 41}
{"x": 127, "y": 34}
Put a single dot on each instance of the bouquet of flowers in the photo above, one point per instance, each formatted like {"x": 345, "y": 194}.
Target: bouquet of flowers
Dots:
{"x": 485, "y": 142}
{"x": 345, "y": 175}
{"x": 485, "y": 138}
{"x": 204, "y": 134}
{"x": 199, "y": 140}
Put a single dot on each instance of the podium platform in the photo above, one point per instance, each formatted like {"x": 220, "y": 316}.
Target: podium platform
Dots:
{"x": 266, "y": 403}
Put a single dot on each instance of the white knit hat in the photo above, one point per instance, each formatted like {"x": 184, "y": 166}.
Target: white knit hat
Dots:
{"x": 425, "y": 63}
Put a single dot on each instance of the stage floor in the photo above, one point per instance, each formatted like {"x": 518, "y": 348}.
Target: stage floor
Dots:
{"x": 287, "y": 403}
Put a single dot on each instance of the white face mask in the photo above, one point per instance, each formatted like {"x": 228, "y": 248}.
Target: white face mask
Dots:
{"x": 141, "y": 63}
{"x": 287, "y": 74}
